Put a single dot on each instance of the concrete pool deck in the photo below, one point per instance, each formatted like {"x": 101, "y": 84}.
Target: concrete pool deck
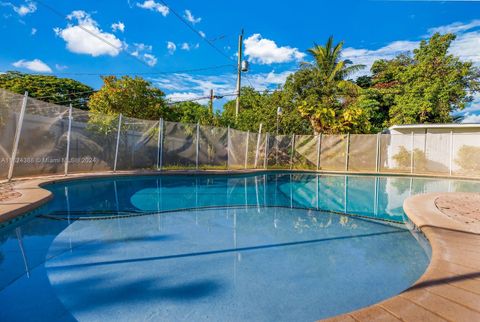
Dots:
{"x": 449, "y": 290}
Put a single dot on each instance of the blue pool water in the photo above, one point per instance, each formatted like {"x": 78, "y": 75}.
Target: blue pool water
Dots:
{"x": 257, "y": 247}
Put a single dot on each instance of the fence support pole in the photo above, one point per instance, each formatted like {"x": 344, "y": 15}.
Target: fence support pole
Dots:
{"x": 17, "y": 136}
{"x": 246, "y": 149}
{"x": 412, "y": 152}
{"x": 228, "y": 147}
{"x": 377, "y": 154}
{"x": 258, "y": 145}
{"x": 197, "y": 146}
{"x": 293, "y": 152}
{"x": 265, "y": 161}
{"x": 347, "y": 152}
{"x": 319, "y": 148}
{"x": 119, "y": 130}
{"x": 451, "y": 154}
{"x": 160, "y": 144}
{"x": 69, "y": 133}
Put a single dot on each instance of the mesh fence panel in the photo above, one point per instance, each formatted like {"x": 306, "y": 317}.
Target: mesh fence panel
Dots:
{"x": 333, "y": 152}
{"x": 306, "y": 152}
{"x": 179, "y": 146}
{"x": 92, "y": 142}
{"x": 465, "y": 158}
{"x": 138, "y": 145}
{"x": 395, "y": 152}
{"x": 43, "y": 146}
{"x": 213, "y": 147}
{"x": 362, "y": 152}
{"x": 43, "y": 140}
{"x": 280, "y": 151}
{"x": 432, "y": 153}
{"x": 10, "y": 106}
{"x": 239, "y": 148}
{"x": 260, "y": 160}
{"x": 252, "y": 150}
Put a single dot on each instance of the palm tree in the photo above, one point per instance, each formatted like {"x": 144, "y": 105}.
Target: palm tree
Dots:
{"x": 328, "y": 93}
{"x": 328, "y": 62}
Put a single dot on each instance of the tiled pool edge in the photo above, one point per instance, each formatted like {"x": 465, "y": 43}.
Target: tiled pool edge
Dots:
{"x": 449, "y": 290}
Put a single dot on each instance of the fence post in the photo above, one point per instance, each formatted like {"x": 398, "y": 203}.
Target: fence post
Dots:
{"x": 265, "y": 161}
{"x": 69, "y": 133}
{"x": 377, "y": 154}
{"x": 119, "y": 130}
{"x": 17, "y": 136}
{"x": 412, "y": 153}
{"x": 293, "y": 152}
{"x": 197, "y": 146}
{"x": 228, "y": 147}
{"x": 246, "y": 149}
{"x": 319, "y": 148}
{"x": 258, "y": 145}
{"x": 347, "y": 152}
{"x": 451, "y": 154}
{"x": 160, "y": 144}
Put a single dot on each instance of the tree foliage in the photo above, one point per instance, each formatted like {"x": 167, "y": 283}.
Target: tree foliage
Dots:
{"x": 324, "y": 96}
{"x": 132, "y": 97}
{"x": 426, "y": 87}
{"x": 62, "y": 91}
{"x": 192, "y": 112}
{"x": 256, "y": 108}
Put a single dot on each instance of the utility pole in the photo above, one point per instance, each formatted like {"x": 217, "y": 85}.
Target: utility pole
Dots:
{"x": 211, "y": 101}
{"x": 239, "y": 74}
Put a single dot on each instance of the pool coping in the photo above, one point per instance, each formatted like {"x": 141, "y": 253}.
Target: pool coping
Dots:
{"x": 449, "y": 290}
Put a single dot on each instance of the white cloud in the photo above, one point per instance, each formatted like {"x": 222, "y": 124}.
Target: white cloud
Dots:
{"x": 202, "y": 34}
{"x": 185, "y": 46}
{"x": 367, "y": 56}
{"x": 118, "y": 26}
{"x": 33, "y": 32}
{"x": 154, "y": 6}
{"x": 455, "y": 27}
{"x": 35, "y": 65}
{"x": 82, "y": 42}
{"x": 265, "y": 51}
{"x": 184, "y": 86}
{"x": 185, "y": 96}
{"x": 60, "y": 67}
{"x": 190, "y": 18}
{"x": 150, "y": 59}
{"x": 471, "y": 118}
{"x": 171, "y": 47}
{"x": 465, "y": 46}
{"x": 28, "y": 7}
{"x": 143, "y": 52}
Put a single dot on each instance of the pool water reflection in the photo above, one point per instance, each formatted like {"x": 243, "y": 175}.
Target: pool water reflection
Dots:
{"x": 255, "y": 247}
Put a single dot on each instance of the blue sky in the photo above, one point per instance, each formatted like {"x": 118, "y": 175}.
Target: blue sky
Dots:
{"x": 43, "y": 36}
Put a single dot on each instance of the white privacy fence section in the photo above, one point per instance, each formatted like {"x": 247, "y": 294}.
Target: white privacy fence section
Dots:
{"x": 38, "y": 138}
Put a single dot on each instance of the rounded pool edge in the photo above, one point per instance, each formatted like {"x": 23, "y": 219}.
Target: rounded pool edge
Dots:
{"x": 420, "y": 209}
{"x": 447, "y": 288}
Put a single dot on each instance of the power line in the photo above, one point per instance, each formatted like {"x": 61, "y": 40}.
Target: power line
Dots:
{"x": 180, "y": 71}
{"x": 198, "y": 33}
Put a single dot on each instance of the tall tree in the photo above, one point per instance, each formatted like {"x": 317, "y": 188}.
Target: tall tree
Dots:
{"x": 324, "y": 96}
{"x": 133, "y": 97}
{"x": 427, "y": 87}
{"x": 62, "y": 91}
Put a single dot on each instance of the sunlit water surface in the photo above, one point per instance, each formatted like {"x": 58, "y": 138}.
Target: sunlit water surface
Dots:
{"x": 265, "y": 247}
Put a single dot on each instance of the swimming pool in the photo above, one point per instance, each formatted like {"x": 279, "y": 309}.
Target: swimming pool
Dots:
{"x": 264, "y": 246}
